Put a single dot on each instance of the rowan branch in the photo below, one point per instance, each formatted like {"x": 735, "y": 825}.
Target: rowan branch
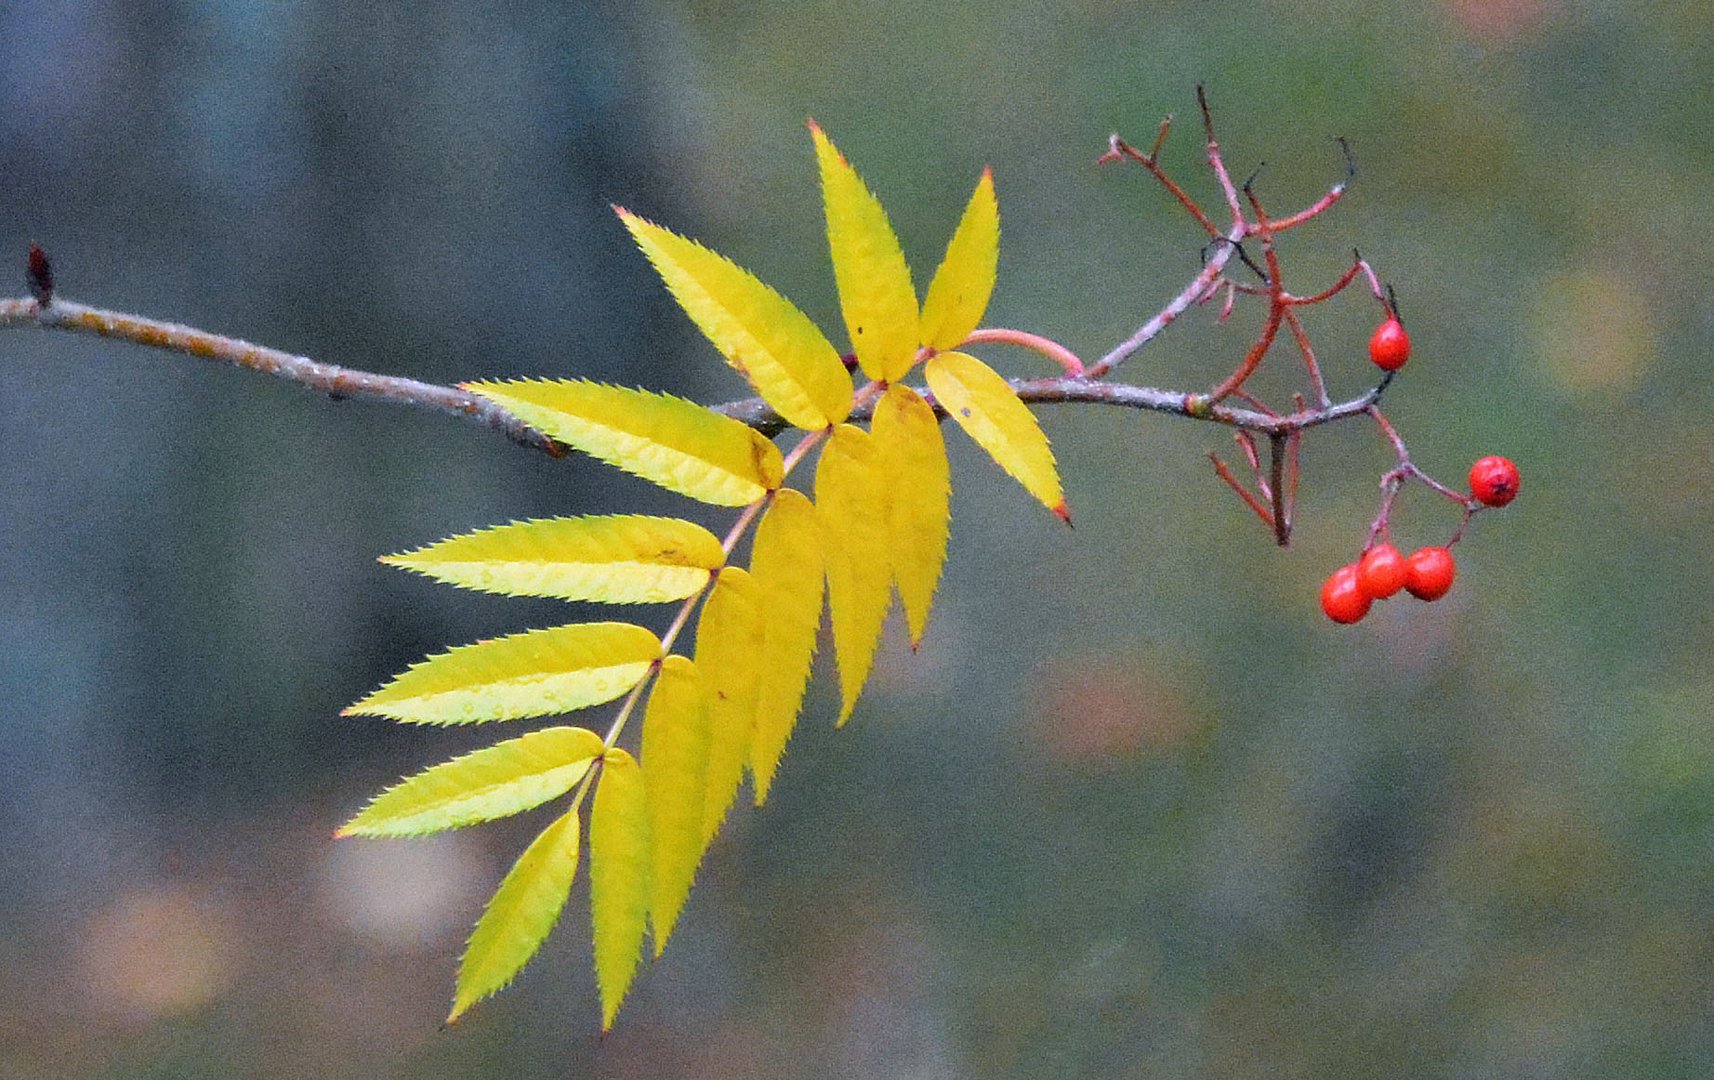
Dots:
{"x": 340, "y": 383}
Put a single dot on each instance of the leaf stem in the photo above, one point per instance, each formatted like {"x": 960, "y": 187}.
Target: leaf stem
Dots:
{"x": 1047, "y": 347}
{"x": 746, "y": 518}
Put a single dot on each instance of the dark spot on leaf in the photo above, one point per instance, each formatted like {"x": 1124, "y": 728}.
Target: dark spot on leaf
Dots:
{"x": 965, "y": 411}
{"x": 859, "y": 329}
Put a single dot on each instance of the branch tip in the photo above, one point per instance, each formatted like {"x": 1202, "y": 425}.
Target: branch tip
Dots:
{"x": 41, "y": 275}
{"x": 1160, "y": 137}
{"x": 1350, "y": 158}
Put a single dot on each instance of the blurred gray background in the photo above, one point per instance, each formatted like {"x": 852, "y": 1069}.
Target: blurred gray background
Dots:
{"x": 1136, "y": 808}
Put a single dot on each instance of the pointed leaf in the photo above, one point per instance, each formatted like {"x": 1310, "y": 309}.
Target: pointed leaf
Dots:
{"x": 851, "y": 498}
{"x": 989, "y": 411}
{"x": 666, "y": 440}
{"x": 620, "y": 559}
{"x": 729, "y": 655}
{"x": 618, "y": 877}
{"x": 958, "y": 295}
{"x": 919, "y": 483}
{"x": 493, "y": 782}
{"x": 518, "y": 918}
{"x": 875, "y": 291}
{"x": 675, "y": 774}
{"x": 530, "y": 674}
{"x": 786, "y": 564}
{"x": 761, "y": 333}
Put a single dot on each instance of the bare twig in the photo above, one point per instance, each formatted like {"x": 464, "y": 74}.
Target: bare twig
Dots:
{"x": 330, "y": 379}
{"x": 1175, "y": 307}
{"x": 1222, "y": 470}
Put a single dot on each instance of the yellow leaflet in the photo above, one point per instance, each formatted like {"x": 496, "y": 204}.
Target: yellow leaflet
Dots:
{"x": 729, "y": 655}
{"x": 919, "y": 485}
{"x": 875, "y": 291}
{"x": 786, "y": 565}
{"x": 621, "y": 559}
{"x": 851, "y": 500}
{"x": 675, "y": 773}
{"x": 958, "y": 295}
{"x": 518, "y": 918}
{"x": 761, "y": 333}
{"x": 618, "y": 877}
{"x": 530, "y": 674}
{"x": 489, "y": 783}
{"x": 666, "y": 440}
{"x": 989, "y": 411}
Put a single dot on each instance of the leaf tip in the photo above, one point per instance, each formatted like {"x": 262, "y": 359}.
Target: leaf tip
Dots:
{"x": 1062, "y": 512}
{"x": 609, "y": 1013}
{"x": 825, "y": 145}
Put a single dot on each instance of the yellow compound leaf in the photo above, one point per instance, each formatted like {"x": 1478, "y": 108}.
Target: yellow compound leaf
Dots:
{"x": 666, "y": 440}
{"x": 875, "y": 291}
{"x": 675, "y": 774}
{"x": 536, "y": 673}
{"x": 919, "y": 484}
{"x": 729, "y": 655}
{"x": 493, "y": 782}
{"x": 958, "y": 295}
{"x": 851, "y": 500}
{"x": 761, "y": 333}
{"x": 619, "y": 559}
{"x": 787, "y": 566}
{"x": 618, "y": 877}
{"x": 518, "y": 918}
{"x": 988, "y": 410}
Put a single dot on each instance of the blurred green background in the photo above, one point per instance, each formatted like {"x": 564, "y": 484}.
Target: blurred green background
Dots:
{"x": 1136, "y": 808}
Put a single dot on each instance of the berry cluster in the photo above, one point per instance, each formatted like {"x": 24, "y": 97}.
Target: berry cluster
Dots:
{"x": 1381, "y": 572}
{"x": 1428, "y": 572}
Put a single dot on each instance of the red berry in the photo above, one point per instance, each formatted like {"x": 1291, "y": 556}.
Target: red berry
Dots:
{"x": 1381, "y": 571}
{"x": 1429, "y": 572}
{"x": 1342, "y": 596}
{"x": 1389, "y": 347}
{"x": 1494, "y": 481}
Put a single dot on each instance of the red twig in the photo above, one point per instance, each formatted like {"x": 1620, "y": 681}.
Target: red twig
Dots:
{"x": 1307, "y": 351}
{"x": 1118, "y": 148}
{"x": 1255, "y": 504}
